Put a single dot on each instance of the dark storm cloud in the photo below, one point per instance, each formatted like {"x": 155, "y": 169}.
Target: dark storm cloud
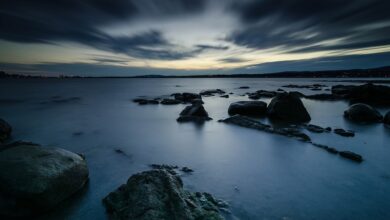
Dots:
{"x": 47, "y": 21}
{"x": 232, "y": 60}
{"x": 211, "y": 47}
{"x": 288, "y": 24}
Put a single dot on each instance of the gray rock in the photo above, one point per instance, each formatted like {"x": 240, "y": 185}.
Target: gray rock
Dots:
{"x": 316, "y": 128}
{"x": 170, "y": 102}
{"x": 187, "y": 97}
{"x": 5, "y": 130}
{"x": 212, "y": 92}
{"x": 288, "y": 107}
{"x": 362, "y": 113}
{"x": 159, "y": 194}
{"x": 194, "y": 112}
{"x": 34, "y": 179}
{"x": 368, "y": 93}
{"x": 255, "y": 108}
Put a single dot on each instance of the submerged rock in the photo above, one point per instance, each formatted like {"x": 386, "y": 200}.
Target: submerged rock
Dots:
{"x": 224, "y": 96}
{"x": 288, "y": 107}
{"x": 247, "y": 122}
{"x": 194, "y": 112}
{"x": 351, "y": 155}
{"x": 5, "y": 130}
{"x": 34, "y": 179}
{"x": 243, "y": 87}
{"x": 256, "y": 108}
{"x": 362, "y": 113}
{"x": 317, "y": 129}
{"x": 186, "y": 97}
{"x": 159, "y": 194}
{"x": 170, "y": 102}
{"x": 324, "y": 97}
{"x": 343, "y": 132}
{"x": 212, "y": 92}
{"x": 145, "y": 101}
{"x": 262, "y": 94}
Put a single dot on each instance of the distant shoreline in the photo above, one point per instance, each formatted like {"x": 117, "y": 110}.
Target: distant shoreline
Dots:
{"x": 381, "y": 72}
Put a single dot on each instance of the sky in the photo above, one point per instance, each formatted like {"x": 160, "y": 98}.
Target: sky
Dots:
{"x": 190, "y": 37}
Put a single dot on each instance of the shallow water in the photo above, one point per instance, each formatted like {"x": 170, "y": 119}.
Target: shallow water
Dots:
{"x": 261, "y": 175}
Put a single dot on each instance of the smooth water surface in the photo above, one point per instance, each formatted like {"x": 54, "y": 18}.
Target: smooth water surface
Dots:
{"x": 261, "y": 175}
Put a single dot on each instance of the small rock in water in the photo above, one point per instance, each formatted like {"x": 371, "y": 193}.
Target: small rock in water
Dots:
{"x": 343, "y": 132}
{"x": 224, "y": 96}
{"x": 212, "y": 92}
{"x": 255, "y": 108}
{"x": 187, "y": 170}
{"x": 244, "y": 87}
{"x": 170, "y": 102}
{"x": 194, "y": 112}
{"x": 352, "y": 156}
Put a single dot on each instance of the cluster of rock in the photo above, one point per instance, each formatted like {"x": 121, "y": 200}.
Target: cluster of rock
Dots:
{"x": 367, "y": 93}
{"x": 284, "y": 106}
{"x": 177, "y": 98}
{"x": 159, "y": 194}
{"x": 314, "y": 87}
{"x": 34, "y": 179}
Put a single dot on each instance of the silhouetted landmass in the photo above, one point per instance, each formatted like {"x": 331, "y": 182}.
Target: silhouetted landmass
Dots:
{"x": 381, "y": 72}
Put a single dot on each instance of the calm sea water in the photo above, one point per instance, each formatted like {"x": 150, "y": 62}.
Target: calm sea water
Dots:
{"x": 262, "y": 176}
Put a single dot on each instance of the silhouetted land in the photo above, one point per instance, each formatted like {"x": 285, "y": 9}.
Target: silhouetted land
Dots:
{"x": 380, "y": 72}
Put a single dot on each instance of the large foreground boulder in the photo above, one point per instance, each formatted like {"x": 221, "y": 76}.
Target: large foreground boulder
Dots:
{"x": 255, "y": 108}
{"x": 34, "y": 179}
{"x": 194, "y": 112}
{"x": 288, "y": 107}
{"x": 159, "y": 194}
{"x": 5, "y": 130}
{"x": 362, "y": 113}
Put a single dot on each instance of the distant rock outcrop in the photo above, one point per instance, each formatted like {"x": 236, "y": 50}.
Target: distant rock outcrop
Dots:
{"x": 34, "y": 179}
{"x": 159, "y": 194}
{"x": 368, "y": 93}
{"x": 288, "y": 107}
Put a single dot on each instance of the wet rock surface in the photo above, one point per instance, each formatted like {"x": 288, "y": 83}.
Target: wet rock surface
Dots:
{"x": 5, "y": 130}
{"x": 262, "y": 94}
{"x": 343, "y": 132}
{"x": 212, "y": 92}
{"x": 194, "y": 112}
{"x": 170, "y": 102}
{"x": 186, "y": 97}
{"x": 288, "y": 107}
{"x": 312, "y": 87}
{"x": 254, "y": 108}
{"x": 317, "y": 129}
{"x": 362, "y": 113}
{"x": 159, "y": 194}
{"x": 34, "y": 179}
{"x": 146, "y": 101}
{"x": 352, "y": 156}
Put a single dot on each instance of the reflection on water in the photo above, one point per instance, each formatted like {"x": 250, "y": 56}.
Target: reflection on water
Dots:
{"x": 263, "y": 176}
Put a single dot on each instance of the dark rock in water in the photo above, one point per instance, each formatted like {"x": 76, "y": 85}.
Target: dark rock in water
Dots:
{"x": 34, "y": 179}
{"x": 5, "y": 130}
{"x": 247, "y": 122}
{"x": 386, "y": 119}
{"x": 186, "y": 97}
{"x": 362, "y": 113}
{"x": 299, "y": 94}
{"x": 288, "y": 107}
{"x": 280, "y": 90}
{"x": 159, "y": 194}
{"x": 368, "y": 93}
{"x": 170, "y": 102}
{"x": 197, "y": 101}
{"x": 262, "y": 94}
{"x": 224, "y": 96}
{"x": 195, "y": 112}
{"x": 211, "y": 92}
{"x": 163, "y": 166}
{"x": 324, "y": 97}
{"x": 256, "y": 108}
{"x": 244, "y": 87}
{"x": 145, "y": 101}
{"x": 352, "y": 156}
{"x": 343, "y": 132}
{"x": 187, "y": 170}
{"x": 315, "y": 128}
